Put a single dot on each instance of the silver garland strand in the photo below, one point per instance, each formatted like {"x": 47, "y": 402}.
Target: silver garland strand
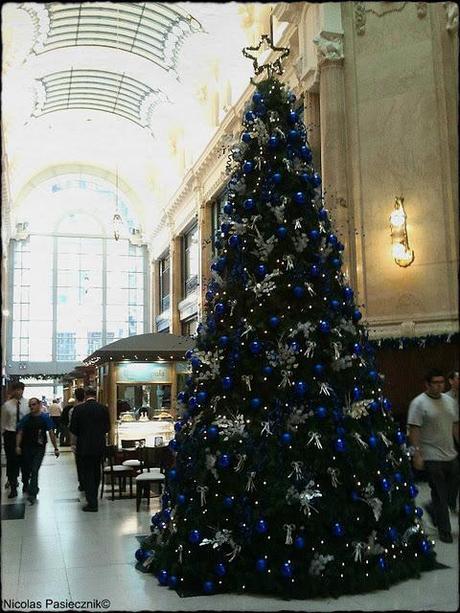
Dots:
{"x": 359, "y": 547}
{"x": 306, "y": 497}
{"x": 289, "y": 529}
{"x": 202, "y": 489}
{"x": 250, "y": 484}
{"x": 315, "y": 437}
{"x": 247, "y": 380}
{"x": 384, "y": 439}
{"x": 265, "y": 428}
{"x": 325, "y": 389}
{"x": 334, "y": 473}
{"x": 360, "y": 441}
{"x": 241, "y": 460}
{"x": 297, "y": 470}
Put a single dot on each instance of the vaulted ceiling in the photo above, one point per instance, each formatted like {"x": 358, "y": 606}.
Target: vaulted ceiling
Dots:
{"x": 120, "y": 87}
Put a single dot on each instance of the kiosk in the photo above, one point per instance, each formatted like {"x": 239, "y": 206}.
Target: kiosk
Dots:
{"x": 138, "y": 378}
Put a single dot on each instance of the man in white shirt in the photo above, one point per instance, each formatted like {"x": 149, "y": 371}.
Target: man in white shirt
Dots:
{"x": 13, "y": 410}
{"x": 433, "y": 425}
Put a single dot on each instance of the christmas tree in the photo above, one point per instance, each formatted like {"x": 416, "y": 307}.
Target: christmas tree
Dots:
{"x": 291, "y": 476}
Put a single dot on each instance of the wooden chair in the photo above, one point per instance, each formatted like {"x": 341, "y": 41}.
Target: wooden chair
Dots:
{"x": 117, "y": 472}
{"x": 155, "y": 462}
{"x": 130, "y": 450}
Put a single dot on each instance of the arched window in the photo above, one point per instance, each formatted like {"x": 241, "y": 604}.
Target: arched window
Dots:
{"x": 74, "y": 288}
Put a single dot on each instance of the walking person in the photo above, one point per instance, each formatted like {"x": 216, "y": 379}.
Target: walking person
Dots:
{"x": 90, "y": 423}
{"x": 31, "y": 445}
{"x": 433, "y": 425}
{"x": 79, "y": 399}
{"x": 12, "y": 411}
{"x": 55, "y": 412}
{"x": 452, "y": 377}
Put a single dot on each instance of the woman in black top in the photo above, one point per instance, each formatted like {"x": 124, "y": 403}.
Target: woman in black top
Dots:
{"x": 31, "y": 443}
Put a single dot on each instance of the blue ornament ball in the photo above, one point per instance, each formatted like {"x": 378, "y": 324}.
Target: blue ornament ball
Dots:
{"x": 208, "y": 587}
{"x": 255, "y": 403}
{"x": 408, "y": 509}
{"x": 299, "y": 198}
{"x": 340, "y": 431}
{"x": 276, "y": 178}
{"x": 337, "y": 529}
{"x": 192, "y": 402}
{"x": 300, "y": 388}
{"x": 293, "y": 117}
{"x": 398, "y": 477}
{"x": 209, "y": 296}
{"x": 313, "y": 235}
{"x": 249, "y": 204}
{"x": 386, "y": 404}
{"x": 172, "y": 474}
{"x": 234, "y": 241}
{"x": 229, "y": 502}
{"x": 261, "y": 270}
{"x": 425, "y": 546}
{"x": 339, "y": 445}
{"x": 219, "y": 309}
{"x": 386, "y": 485}
{"x": 336, "y": 263}
{"x": 223, "y": 341}
{"x": 257, "y": 98}
{"x": 348, "y": 293}
{"x": 140, "y": 554}
{"x": 419, "y": 512}
{"x": 177, "y": 426}
{"x": 261, "y": 565}
{"x": 400, "y": 437}
{"x": 374, "y": 405}
{"x": 299, "y": 542}
{"x": 181, "y": 396}
{"x": 321, "y": 412}
{"x": 267, "y": 370}
{"x": 255, "y": 347}
{"x": 273, "y": 142}
{"x": 163, "y": 577}
{"x": 250, "y": 116}
{"x": 281, "y": 231}
{"x": 322, "y": 214}
{"x": 202, "y": 396}
{"x": 314, "y": 271}
{"x": 413, "y": 491}
{"x": 172, "y": 581}
{"x": 227, "y": 383}
{"x": 355, "y": 496}
{"x": 246, "y": 137}
{"x": 305, "y": 153}
{"x": 332, "y": 239}
{"x": 274, "y": 321}
{"x": 194, "y": 536}
{"x": 335, "y": 305}
{"x": 174, "y": 444}
{"x": 373, "y": 375}
{"x": 286, "y": 570}
{"x": 286, "y": 438}
{"x": 248, "y": 166}
{"x": 181, "y": 499}
{"x": 213, "y": 432}
{"x": 298, "y": 291}
{"x": 324, "y": 326}
{"x": 392, "y": 534}
{"x": 261, "y": 526}
{"x": 319, "y": 369}
{"x": 293, "y": 136}
{"x": 224, "y": 460}
{"x": 315, "y": 180}
{"x": 356, "y": 393}
{"x": 220, "y": 569}
{"x": 356, "y": 315}
{"x": 382, "y": 563}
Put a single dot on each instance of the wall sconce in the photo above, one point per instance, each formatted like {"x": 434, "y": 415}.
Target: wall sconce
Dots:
{"x": 402, "y": 253}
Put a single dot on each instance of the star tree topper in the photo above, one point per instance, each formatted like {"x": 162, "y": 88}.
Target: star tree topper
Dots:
{"x": 265, "y": 44}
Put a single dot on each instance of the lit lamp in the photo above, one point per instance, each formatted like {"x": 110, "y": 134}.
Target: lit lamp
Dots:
{"x": 402, "y": 253}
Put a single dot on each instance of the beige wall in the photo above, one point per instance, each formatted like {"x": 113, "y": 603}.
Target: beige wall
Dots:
{"x": 398, "y": 86}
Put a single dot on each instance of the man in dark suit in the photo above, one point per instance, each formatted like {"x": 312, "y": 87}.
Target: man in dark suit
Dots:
{"x": 89, "y": 423}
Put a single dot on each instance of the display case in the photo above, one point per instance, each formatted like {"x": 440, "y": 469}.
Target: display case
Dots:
{"x": 156, "y": 432}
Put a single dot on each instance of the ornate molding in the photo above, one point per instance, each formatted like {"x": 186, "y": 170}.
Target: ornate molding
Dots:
{"x": 362, "y": 9}
{"x": 329, "y": 48}
{"x": 38, "y": 12}
{"x": 451, "y": 9}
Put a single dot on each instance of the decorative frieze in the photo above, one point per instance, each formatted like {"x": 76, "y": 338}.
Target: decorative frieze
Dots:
{"x": 380, "y": 9}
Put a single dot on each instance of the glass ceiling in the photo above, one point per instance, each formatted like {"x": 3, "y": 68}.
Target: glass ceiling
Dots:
{"x": 153, "y": 30}
{"x": 99, "y": 90}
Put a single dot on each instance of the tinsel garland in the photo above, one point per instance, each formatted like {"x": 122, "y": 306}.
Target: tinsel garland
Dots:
{"x": 404, "y": 342}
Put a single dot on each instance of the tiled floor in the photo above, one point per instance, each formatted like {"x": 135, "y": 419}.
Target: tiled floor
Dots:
{"x": 57, "y": 552}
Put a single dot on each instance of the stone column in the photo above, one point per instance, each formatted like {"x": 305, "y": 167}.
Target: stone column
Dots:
{"x": 112, "y": 400}
{"x": 333, "y": 141}
{"x": 313, "y": 125}
{"x": 175, "y": 283}
{"x": 205, "y": 242}
{"x": 155, "y": 293}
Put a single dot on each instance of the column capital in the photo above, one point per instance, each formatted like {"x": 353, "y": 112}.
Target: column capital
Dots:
{"x": 329, "y": 48}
